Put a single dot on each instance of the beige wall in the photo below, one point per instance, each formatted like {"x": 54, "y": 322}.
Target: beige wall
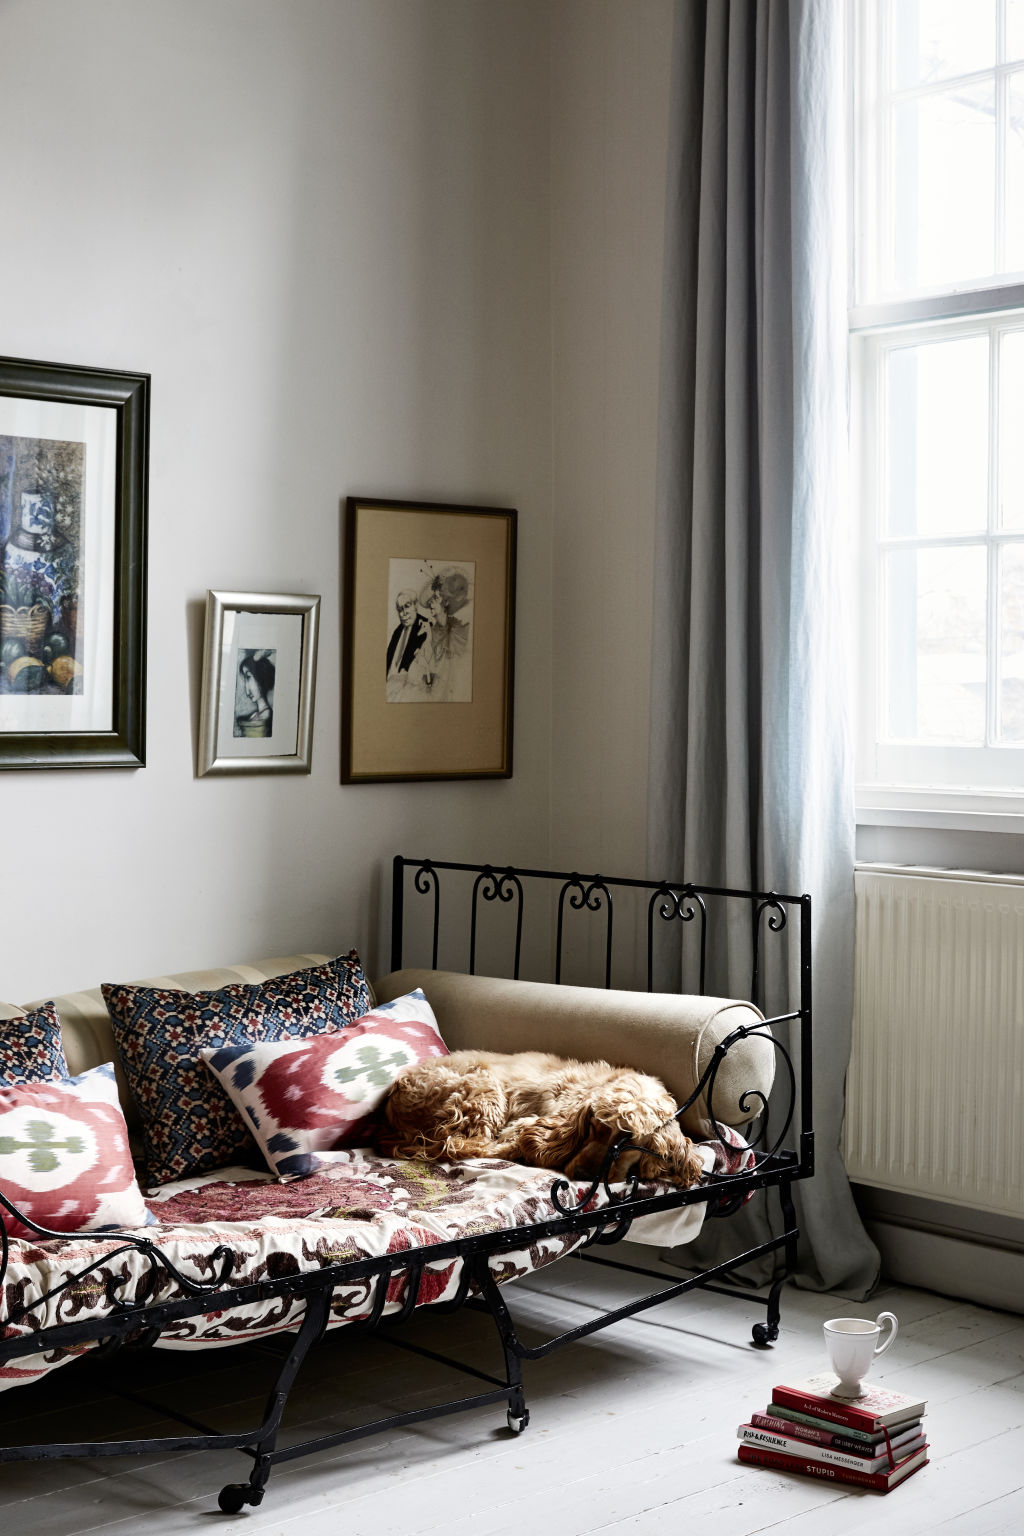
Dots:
{"x": 390, "y": 247}
{"x": 611, "y": 65}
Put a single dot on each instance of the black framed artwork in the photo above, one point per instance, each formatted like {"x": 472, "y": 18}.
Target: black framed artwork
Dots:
{"x": 73, "y": 530}
{"x": 428, "y": 667}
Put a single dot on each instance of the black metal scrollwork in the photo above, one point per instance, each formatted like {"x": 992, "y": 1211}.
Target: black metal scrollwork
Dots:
{"x": 594, "y": 896}
{"x": 776, "y": 922}
{"x": 129, "y": 1242}
{"x": 619, "y": 1226}
{"x": 425, "y": 880}
{"x": 497, "y": 885}
{"x": 761, "y": 1032}
{"x": 677, "y": 903}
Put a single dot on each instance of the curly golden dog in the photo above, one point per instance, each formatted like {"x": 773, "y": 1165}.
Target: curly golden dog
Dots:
{"x": 537, "y": 1109}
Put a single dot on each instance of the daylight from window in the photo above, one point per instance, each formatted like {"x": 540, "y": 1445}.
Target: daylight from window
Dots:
{"x": 938, "y": 357}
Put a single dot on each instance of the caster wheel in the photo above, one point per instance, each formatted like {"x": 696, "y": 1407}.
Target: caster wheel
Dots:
{"x": 763, "y": 1335}
{"x": 232, "y": 1498}
{"x": 517, "y": 1422}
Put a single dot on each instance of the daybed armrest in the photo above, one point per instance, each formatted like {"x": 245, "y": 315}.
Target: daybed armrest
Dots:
{"x": 668, "y": 1035}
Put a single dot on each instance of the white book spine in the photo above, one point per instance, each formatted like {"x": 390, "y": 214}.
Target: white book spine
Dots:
{"x": 812, "y": 1452}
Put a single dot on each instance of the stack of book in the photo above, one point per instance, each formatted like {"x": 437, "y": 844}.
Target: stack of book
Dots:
{"x": 875, "y": 1441}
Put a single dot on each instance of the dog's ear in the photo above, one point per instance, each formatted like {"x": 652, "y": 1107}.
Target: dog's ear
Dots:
{"x": 566, "y": 1142}
{"x": 588, "y": 1159}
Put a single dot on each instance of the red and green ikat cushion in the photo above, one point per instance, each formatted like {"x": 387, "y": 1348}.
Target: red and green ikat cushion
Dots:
{"x": 31, "y": 1049}
{"x": 65, "y": 1162}
{"x": 189, "y": 1125}
{"x": 303, "y": 1097}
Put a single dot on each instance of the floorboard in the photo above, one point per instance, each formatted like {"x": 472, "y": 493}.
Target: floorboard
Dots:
{"x": 632, "y": 1430}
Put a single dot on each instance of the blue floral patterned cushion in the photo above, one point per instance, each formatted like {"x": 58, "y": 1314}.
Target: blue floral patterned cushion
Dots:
{"x": 31, "y": 1049}
{"x": 189, "y": 1125}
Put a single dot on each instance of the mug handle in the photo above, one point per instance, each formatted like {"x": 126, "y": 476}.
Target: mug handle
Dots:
{"x": 887, "y": 1317}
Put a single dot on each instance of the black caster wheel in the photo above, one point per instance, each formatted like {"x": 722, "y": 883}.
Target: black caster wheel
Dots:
{"x": 233, "y": 1498}
{"x": 517, "y": 1422}
{"x": 763, "y": 1335}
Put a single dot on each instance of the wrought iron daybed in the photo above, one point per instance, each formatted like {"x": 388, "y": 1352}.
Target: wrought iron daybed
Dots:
{"x": 148, "y": 1293}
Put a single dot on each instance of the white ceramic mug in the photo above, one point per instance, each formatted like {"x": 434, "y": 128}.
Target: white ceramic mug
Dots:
{"x": 852, "y": 1344}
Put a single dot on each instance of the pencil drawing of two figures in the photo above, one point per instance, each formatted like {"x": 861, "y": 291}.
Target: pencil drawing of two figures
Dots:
{"x": 430, "y": 648}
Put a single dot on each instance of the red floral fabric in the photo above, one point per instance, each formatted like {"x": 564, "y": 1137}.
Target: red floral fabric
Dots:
{"x": 357, "y": 1206}
{"x": 302, "y": 1097}
{"x": 65, "y": 1162}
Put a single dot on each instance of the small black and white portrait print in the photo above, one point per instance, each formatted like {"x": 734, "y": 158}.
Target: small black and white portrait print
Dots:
{"x": 254, "y": 693}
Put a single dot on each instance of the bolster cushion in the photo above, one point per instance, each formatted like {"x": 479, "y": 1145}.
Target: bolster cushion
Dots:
{"x": 668, "y": 1035}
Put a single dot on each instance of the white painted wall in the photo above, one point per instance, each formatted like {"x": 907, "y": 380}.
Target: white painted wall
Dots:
{"x": 391, "y": 247}
{"x": 323, "y": 227}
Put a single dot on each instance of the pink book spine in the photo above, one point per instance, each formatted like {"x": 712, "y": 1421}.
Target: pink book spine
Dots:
{"x": 794, "y": 1431}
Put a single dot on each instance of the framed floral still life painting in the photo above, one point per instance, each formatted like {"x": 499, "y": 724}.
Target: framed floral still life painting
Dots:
{"x": 429, "y": 641}
{"x": 259, "y": 675}
{"x": 73, "y": 486}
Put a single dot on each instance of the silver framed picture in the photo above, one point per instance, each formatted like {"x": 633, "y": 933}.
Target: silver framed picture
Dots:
{"x": 259, "y": 677}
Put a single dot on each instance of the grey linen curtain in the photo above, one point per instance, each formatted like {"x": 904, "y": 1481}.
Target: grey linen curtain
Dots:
{"x": 751, "y": 773}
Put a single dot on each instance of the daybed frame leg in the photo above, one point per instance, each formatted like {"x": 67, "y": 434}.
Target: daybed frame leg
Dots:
{"x": 232, "y": 1497}
{"x": 768, "y": 1331}
{"x": 517, "y": 1415}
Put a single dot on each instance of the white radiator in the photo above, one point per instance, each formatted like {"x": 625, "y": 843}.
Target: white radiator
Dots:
{"x": 935, "y": 1093}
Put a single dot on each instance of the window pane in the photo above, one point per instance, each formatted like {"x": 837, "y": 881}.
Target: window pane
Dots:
{"x": 1014, "y": 260}
{"x": 1014, "y": 29}
{"x": 937, "y": 435}
{"x": 943, "y": 188}
{"x": 1011, "y": 643}
{"x": 935, "y": 652}
{"x": 1011, "y": 430}
{"x": 935, "y": 39}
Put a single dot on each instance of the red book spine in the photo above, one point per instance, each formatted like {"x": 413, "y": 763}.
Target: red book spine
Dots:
{"x": 826, "y": 1408}
{"x": 762, "y": 1457}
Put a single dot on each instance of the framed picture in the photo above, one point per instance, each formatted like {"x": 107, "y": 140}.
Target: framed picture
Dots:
{"x": 259, "y": 673}
{"x": 73, "y": 486}
{"x": 429, "y": 632}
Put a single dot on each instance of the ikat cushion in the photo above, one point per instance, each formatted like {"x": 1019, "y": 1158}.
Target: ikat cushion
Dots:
{"x": 189, "y": 1125}
{"x": 65, "y": 1162}
{"x": 30, "y": 1047}
{"x": 301, "y": 1097}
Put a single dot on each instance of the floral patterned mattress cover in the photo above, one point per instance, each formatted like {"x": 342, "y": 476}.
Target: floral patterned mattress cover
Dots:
{"x": 357, "y": 1205}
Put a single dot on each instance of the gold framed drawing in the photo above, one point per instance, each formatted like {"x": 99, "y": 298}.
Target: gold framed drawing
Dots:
{"x": 427, "y": 680}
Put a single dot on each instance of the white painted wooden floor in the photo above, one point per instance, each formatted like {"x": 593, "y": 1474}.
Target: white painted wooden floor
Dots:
{"x": 632, "y": 1430}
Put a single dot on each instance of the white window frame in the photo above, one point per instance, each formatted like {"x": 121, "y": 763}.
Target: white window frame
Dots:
{"x": 903, "y": 783}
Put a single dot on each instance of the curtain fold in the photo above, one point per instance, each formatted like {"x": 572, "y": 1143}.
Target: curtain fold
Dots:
{"x": 751, "y": 759}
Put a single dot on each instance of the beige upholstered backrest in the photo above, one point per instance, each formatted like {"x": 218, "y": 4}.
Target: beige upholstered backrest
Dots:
{"x": 670, "y": 1036}
{"x": 85, "y": 1023}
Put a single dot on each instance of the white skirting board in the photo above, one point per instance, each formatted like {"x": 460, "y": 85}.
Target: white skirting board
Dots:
{"x": 993, "y": 1277}
{"x": 967, "y": 1254}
